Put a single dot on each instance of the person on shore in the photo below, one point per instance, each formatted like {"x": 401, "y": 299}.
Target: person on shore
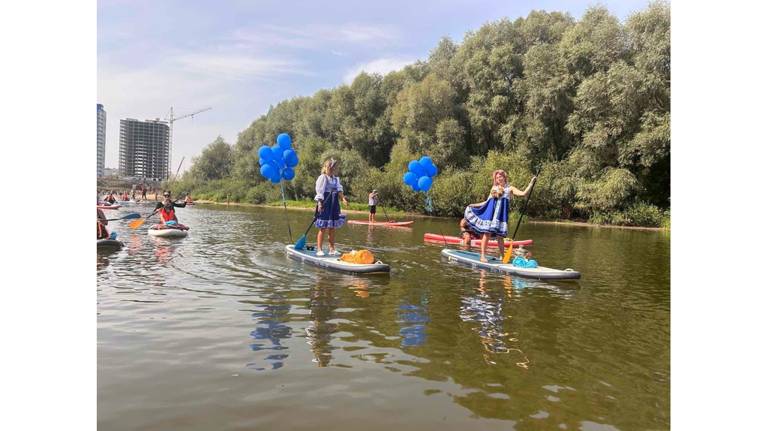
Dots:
{"x": 490, "y": 217}
{"x": 328, "y": 191}
{"x": 167, "y": 211}
{"x": 188, "y": 200}
{"x": 373, "y": 200}
{"x": 143, "y": 193}
{"x": 101, "y": 225}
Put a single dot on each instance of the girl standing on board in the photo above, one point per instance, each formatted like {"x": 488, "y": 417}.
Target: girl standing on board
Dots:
{"x": 328, "y": 190}
{"x": 490, "y": 217}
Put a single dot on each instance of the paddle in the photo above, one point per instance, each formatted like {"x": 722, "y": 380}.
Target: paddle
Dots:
{"x": 385, "y": 214}
{"x": 136, "y": 223}
{"x": 126, "y": 217}
{"x": 508, "y": 254}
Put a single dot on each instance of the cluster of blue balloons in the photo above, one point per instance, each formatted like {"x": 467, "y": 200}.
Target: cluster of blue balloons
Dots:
{"x": 420, "y": 173}
{"x": 277, "y": 162}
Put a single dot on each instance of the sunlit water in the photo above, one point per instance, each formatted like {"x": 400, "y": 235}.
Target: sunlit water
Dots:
{"x": 222, "y": 331}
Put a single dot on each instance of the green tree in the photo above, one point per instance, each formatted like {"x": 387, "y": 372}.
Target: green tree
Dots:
{"x": 214, "y": 163}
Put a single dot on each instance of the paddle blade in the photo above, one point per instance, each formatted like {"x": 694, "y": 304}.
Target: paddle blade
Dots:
{"x": 136, "y": 223}
{"x": 508, "y": 253}
{"x": 131, "y": 216}
{"x": 300, "y": 243}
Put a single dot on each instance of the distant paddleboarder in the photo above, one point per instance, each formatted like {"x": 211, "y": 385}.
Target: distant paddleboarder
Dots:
{"x": 373, "y": 200}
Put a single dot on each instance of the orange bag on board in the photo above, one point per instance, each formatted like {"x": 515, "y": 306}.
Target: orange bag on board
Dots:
{"x": 358, "y": 256}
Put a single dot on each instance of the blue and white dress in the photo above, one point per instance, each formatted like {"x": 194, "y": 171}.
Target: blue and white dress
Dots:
{"x": 327, "y": 191}
{"x": 492, "y": 217}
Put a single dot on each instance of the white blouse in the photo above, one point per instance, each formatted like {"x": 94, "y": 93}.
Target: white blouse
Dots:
{"x": 324, "y": 184}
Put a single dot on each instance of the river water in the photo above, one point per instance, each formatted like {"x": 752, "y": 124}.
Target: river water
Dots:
{"x": 222, "y": 331}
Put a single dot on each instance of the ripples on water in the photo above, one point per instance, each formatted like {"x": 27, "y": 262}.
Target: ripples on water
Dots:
{"x": 221, "y": 330}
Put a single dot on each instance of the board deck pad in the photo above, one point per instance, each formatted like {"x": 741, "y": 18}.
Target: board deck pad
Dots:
{"x": 494, "y": 264}
{"x": 334, "y": 262}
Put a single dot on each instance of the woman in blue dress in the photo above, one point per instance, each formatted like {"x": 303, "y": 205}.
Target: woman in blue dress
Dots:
{"x": 489, "y": 218}
{"x": 328, "y": 191}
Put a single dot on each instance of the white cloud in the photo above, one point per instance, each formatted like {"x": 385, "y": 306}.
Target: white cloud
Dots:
{"x": 315, "y": 36}
{"x": 236, "y": 66}
{"x": 381, "y": 66}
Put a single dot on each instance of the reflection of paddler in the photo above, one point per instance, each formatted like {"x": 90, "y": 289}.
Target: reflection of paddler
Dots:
{"x": 321, "y": 305}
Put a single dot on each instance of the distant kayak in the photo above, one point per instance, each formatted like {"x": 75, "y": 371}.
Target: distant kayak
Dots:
{"x": 445, "y": 239}
{"x": 107, "y": 207}
{"x": 382, "y": 223}
{"x": 494, "y": 264}
{"x": 163, "y": 231}
{"x": 335, "y": 263}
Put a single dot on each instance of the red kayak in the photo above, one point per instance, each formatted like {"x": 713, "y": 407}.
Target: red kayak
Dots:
{"x": 382, "y": 223}
{"x": 444, "y": 239}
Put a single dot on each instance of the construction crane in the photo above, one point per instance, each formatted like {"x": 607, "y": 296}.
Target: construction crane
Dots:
{"x": 171, "y": 119}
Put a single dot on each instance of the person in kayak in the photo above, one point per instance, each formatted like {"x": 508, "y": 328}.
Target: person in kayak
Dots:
{"x": 328, "y": 191}
{"x": 101, "y": 225}
{"x": 167, "y": 211}
{"x": 490, "y": 217}
{"x": 110, "y": 198}
{"x": 373, "y": 200}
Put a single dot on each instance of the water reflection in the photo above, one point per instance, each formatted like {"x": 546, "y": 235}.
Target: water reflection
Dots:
{"x": 322, "y": 304}
{"x": 413, "y": 319}
{"x": 271, "y": 329}
{"x": 482, "y": 308}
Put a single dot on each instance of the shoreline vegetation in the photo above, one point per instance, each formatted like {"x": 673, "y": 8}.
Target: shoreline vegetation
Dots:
{"x": 362, "y": 209}
{"x": 585, "y": 102}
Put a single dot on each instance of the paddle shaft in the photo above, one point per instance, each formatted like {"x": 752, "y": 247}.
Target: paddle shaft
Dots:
{"x": 508, "y": 254}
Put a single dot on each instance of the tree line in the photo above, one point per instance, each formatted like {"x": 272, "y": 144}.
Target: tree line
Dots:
{"x": 586, "y": 102}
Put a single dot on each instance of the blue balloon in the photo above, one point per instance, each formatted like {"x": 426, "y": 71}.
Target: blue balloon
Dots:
{"x": 263, "y": 162}
{"x": 275, "y": 180}
{"x": 431, "y": 170}
{"x": 416, "y": 168}
{"x": 290, "y": 157}
{"x": 265, "y": 152}
{"x": 425, "y": 183}
{"x": 410, "y": 178}
{"x": 277, "y": 153}
{"x": 288, "y": 174}
{"x": 415, "y": 187}
{"x": 268, "y": 170}
{"x": 425, "y": 162}
{"x": 284, "y": 141}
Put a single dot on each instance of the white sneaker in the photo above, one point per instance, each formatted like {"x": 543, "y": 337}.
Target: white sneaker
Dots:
{"x": 319, "y": 253}
{"x": 333, "y": 252}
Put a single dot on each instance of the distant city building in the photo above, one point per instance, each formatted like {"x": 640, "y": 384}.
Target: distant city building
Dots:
{"x": 101, "y": 138}
{"x": 111, "y": 172}
{"x": 144, "y": 148}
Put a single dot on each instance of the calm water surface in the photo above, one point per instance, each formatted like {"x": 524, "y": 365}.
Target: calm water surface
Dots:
{"x": 221, "y": 331}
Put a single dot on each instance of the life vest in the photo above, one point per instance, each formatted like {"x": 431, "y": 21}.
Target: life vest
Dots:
{"x": 167, "y": 214}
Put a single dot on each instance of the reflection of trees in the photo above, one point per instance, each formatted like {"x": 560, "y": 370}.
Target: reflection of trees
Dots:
{"x": 269, "y": 332}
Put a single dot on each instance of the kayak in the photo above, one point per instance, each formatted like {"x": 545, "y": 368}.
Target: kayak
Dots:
{"x": 162, "y": 231}
{"x": 382, "y": 223}
{"x": 108, "y": 244}
{"x": 494, "y": 264}
{"x": 108, "y": 207}
{"x": 444, "y": 239}
{"x": 334, "y": 262}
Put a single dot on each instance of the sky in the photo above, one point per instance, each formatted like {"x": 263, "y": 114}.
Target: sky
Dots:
{"x": 239, "y": 57}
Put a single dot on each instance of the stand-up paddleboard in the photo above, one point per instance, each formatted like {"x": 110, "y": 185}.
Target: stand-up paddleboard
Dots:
{"x": 108, "y": 207}
{"x": 108, "y": 245}
{"x": 494, "y": 264}
{"x": 444, "y": 239}
{"x": 334, "y": 263}
{"x": 162, "y": 231}
{"x": 382, "y": 223}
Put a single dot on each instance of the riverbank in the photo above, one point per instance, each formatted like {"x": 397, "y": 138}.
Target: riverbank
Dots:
{"x": 357, "y": 208}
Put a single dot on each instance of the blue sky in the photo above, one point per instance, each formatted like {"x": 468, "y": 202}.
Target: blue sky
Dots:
{"x": 240, "y": 57}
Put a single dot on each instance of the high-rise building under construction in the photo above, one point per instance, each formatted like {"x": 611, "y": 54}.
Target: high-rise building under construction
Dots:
{"x": 144, "y": 148}
{"x": 101, "y": 130}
